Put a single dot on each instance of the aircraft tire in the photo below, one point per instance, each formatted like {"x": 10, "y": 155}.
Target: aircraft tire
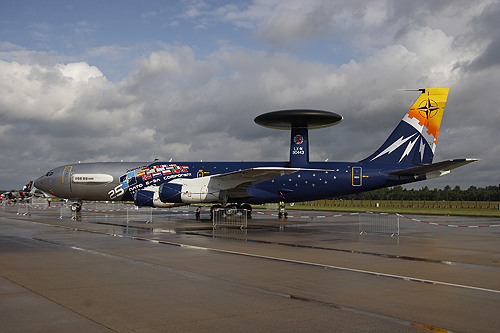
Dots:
{"x": 248, "y": 208}
{"x": 231, "y": 209}
{"x": 76, "y": 207}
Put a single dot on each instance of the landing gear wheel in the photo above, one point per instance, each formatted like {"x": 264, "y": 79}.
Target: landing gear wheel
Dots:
{"x": 231, "y": 210}
{"x": 249, "y": 210}
{"x": 76, "y": 207}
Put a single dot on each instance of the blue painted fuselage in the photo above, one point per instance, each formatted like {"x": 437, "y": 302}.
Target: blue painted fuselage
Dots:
{"x": 319, "y": 180}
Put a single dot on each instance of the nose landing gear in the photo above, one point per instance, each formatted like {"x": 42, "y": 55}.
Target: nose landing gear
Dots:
{"x": 282, "y": 213}
{"x": 76, "y": 207}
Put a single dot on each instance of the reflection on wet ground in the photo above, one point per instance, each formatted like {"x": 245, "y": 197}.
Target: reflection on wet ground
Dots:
{"x": 362, "y": 268}
{"x": 323, "y": 229}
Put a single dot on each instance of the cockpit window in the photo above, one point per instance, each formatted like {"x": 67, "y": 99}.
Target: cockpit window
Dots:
{"x": 50, "y": 173}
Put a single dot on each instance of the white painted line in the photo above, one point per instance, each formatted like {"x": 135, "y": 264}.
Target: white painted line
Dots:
{"x": 400, "y": 277}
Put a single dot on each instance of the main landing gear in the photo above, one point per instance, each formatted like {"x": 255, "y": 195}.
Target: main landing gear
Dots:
{"x": 232, "y": 209}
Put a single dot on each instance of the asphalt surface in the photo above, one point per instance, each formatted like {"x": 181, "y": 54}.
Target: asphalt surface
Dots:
{"x": 123, "y": 270}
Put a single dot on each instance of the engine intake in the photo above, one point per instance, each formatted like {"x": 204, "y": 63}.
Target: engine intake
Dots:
{"x": 170, "y": 192}
{"x": 144, "y": 198}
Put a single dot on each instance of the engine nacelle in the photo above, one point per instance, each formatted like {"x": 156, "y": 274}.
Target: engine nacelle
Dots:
{"x": 151, "y": 198}
{"x": 170, "y": 192}
{"x": 193, "y": 190}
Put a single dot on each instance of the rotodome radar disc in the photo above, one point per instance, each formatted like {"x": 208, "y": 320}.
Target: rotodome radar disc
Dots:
{"x": 288, "y": 119}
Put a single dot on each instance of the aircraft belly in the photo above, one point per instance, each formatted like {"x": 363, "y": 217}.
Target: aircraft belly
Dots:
{"x": 263, "y": 194}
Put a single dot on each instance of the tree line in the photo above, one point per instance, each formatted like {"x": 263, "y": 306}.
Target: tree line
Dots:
{"x": 473, "y": 193}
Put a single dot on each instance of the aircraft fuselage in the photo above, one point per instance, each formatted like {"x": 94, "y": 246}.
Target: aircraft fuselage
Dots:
{"x": 101, "y": 181}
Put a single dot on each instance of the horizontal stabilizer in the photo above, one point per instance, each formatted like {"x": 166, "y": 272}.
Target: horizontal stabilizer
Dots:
{"x": 433, "y": 170}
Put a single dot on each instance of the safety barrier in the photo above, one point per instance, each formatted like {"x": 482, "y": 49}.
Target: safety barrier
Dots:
{"x": 22, "y": 209}
{"x": 230, "y": 217}
{"x": 140, "y": 214}
{"x": 385, "y": 223}
{"x": 65, "y": 211}
{"x": 368, "y": 222}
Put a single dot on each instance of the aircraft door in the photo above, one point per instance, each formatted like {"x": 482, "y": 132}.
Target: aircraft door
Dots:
{"x": 66, "y": 178}
{"x": 357, "y": 176}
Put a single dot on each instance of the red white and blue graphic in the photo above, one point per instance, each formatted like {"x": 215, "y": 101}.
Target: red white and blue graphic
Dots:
{"x": 133, "y": 177}
{"x": 298, "y": 139}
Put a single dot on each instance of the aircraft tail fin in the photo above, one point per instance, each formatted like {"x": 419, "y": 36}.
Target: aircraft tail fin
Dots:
{"x": 414, "y": 139}
{"x": 28, "y": 187}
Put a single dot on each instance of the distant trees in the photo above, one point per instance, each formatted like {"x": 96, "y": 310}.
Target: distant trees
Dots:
{"x": 473, "y": 193}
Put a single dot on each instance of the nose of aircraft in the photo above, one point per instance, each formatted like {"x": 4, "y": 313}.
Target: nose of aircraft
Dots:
{"x": 44, "y": 182}
{"x": 40, "y": 183}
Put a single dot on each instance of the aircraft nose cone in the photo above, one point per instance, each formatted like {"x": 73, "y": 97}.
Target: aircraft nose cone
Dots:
{"x": 38, "y": 182}
{"x": 41, "y": 183}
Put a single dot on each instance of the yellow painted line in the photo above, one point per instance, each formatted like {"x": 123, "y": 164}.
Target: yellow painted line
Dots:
{"x": 430, "y": 328}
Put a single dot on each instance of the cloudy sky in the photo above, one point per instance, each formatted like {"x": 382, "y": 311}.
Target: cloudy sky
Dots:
{"x": 137, "y": 80}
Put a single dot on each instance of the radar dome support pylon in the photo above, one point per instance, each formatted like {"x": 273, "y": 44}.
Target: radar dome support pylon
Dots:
{"x": 299, "y": 122}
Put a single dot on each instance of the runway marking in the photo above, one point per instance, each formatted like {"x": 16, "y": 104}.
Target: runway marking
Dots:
{"x": 430, "y": 328}
{"x": 375, "y": 254}
{"x": 451, "y": 225}
{"x": 399, "y": 277}
{"x": 256, "y": 288}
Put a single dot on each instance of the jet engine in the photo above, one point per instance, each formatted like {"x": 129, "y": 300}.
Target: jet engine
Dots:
{"x": 149, "y": 197}
{"x": 192, "y": 190}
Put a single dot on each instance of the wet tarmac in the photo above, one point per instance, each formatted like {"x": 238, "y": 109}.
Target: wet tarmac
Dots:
{"x": 113, "y": 268}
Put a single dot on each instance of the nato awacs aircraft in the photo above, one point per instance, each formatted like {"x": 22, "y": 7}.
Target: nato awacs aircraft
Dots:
{"x": 405, "y": 157}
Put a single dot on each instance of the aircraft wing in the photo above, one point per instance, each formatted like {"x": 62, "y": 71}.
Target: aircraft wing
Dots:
{"x": 433, "y": 170}
{"x": 249, "y": 176}
{"x": 236, "y": 183}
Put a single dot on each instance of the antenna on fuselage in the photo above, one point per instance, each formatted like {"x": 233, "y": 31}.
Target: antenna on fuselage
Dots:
{"x": 299, "y": 122}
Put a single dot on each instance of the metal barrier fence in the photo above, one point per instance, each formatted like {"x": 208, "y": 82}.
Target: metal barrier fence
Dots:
{"x": 387, "y": 223}
{"x": 65, "y": 211}
{"x": 103, "y": 206}
{"x": 140, "y": 214}
{"x": 23, "y": 209}
{"x": 228, "y": 217}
